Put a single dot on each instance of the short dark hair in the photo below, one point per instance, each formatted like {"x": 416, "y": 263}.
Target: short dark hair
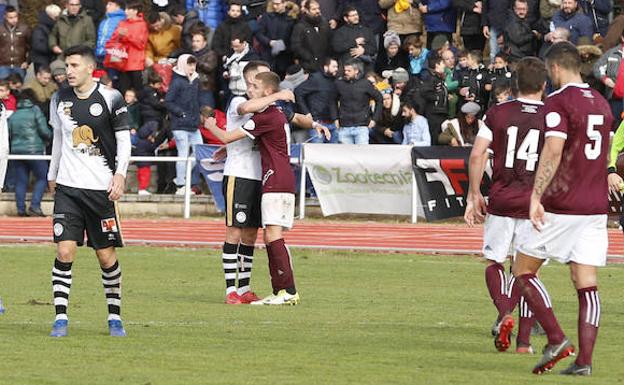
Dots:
{"x": 565, "y": 55}
{"x": 120, "y": 3}
{"x": 327, "y": 61}
{"x": 191, "y": 60}
{"x": 348, "y": 9}
{"x": 178, "y": 10}
{"x": 199, "y": 30}
{"x": 270, "y": 80}
{"x": 409, "y": 103}
{"x": 4, "y": 83}
{"x": 476, "y": 55}
{"x": 27, "y": 94}
{"x": 503, "y": 56}
{"x": 235, "y": 2}
{"x": 253, "y": 65}
{"x": 530, "y": 75}
{"x": 434, "y": 59}
{"x": 308, "y": 3}
{"x": 238, "y": 35}
{"x": 81, "y": 50}
{"x": 134, "y": 4}
{"x": 44, "y": 69}
{"x": 153, "y": 77}
{"x": 15, "y": 78}
{"x": 9, "y": 9}
{"x": 153, "y": 17}
{"x": 355, "y": 63}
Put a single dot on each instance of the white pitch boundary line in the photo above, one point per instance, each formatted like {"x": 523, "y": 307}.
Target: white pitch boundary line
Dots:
{"x": 302, "y": 246}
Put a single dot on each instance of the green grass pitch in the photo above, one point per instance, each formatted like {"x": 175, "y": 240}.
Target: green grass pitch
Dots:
{"x": 364, "y": 319}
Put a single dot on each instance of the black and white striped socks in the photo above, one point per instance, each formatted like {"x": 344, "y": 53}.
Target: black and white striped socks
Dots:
{"x": 111, "y": 280}
{"x": 245, "y": 260}
{"x": 61, "y": 285}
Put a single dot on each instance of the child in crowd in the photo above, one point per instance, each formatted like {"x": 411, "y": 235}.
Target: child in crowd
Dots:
{"x": 209, "y": 112}
{"x": 500, "y": 76}
{"x": 7, "y": 98}
{"x": 502, "y": 94}
{"x": 146, "y": 145}
{"x": 134, "y": 111}
{"x": 416, "y": 130}
{"x": 153, "y": 109}
{"x": 472, "y": 84}
{"x": 461, "y": 69}
{"x": 15, "y": 84}
{"x": 417, "y": 54}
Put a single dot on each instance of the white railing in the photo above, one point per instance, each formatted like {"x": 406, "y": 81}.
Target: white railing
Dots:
{"x": 187, "y": 184}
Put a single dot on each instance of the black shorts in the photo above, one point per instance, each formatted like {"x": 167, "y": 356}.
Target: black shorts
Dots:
{"x": 242, "y": 201}
{"x": 78, "y": 210}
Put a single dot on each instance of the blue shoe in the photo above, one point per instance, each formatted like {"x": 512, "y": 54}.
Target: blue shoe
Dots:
{"x": 1, "y": 307}
{"x": 115, "y": 328}
{"x": 59, "y": 328}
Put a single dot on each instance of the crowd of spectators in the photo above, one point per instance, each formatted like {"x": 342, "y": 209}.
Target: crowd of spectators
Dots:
{"x": 417, "y": 72}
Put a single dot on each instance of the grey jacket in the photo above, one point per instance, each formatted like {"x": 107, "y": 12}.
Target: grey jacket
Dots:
{"x": 608, "y": 66}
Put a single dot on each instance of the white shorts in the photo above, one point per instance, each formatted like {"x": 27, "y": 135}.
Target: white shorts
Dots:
{"x": 502, "y": 235}
{"x": 278, "y": 209}
{"x": 570, "y": 238}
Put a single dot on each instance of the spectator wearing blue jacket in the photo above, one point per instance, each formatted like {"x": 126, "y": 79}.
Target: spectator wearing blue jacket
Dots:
{"x": 440, "y": 19}
{"x": 416, "y": 130}
{"x": 571, "y": 17}
{"x": 211, "y": 12}
{"x": 182, "y": 101}
{"x": 598, "y": 11}
{"x": 114, "y": 14}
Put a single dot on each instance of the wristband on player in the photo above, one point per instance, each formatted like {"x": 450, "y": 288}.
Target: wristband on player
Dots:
{"x": 612, "y": 170}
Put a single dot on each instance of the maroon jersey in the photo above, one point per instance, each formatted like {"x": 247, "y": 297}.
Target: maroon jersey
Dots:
{"x": 515, "y": 130}
{"x": 270, "y": 130}
{"x": 581, "y": 116}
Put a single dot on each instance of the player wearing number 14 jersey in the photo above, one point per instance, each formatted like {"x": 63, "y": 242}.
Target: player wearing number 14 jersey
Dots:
{"x": 513, "y": 131}
{"x": 568, "y": 208}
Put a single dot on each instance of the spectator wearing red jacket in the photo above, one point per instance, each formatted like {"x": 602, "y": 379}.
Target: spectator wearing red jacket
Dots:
{"x": 209, "y": 112}
{"x": 133, "y": 33}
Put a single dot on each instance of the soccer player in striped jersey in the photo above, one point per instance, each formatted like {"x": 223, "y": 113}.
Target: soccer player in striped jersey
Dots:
{"x": 513, "y": 131}
{"x": 568, "y": 209}
{"x": 90, "y": 155}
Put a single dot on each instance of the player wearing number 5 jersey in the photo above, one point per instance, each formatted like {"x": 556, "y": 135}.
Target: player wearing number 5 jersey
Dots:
{"x": 513, "y": 131}
{"x": 568, "y": 208}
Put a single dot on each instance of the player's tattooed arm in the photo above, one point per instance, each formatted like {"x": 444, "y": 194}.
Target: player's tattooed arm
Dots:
{"x": 548, "y": 164}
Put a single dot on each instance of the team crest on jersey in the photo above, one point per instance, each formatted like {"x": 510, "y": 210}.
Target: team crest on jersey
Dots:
{"x": 587, "y": 94}
{"x": 529, "y": 109}
{"x": 96, "y": 109}
{"x": 84, "y": 140}
{"x": 58, "y": 229}
{"x": 67, "y": 108}
{"x": 109, "y": 225}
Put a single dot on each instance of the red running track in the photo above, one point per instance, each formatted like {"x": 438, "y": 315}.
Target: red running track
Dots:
{"x": 422, "y": 238}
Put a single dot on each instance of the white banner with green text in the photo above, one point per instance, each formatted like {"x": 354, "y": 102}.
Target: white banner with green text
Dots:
{"x": 366, "y": 179}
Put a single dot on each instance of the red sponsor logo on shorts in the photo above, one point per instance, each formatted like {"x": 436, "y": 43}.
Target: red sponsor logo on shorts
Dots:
{"x": 109, "y": 225}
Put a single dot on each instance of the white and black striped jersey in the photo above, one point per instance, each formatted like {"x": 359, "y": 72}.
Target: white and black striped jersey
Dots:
{"x": 87, "y": 126}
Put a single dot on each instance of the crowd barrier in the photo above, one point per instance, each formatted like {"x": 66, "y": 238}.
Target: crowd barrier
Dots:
{"x": 420, "y": 182}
